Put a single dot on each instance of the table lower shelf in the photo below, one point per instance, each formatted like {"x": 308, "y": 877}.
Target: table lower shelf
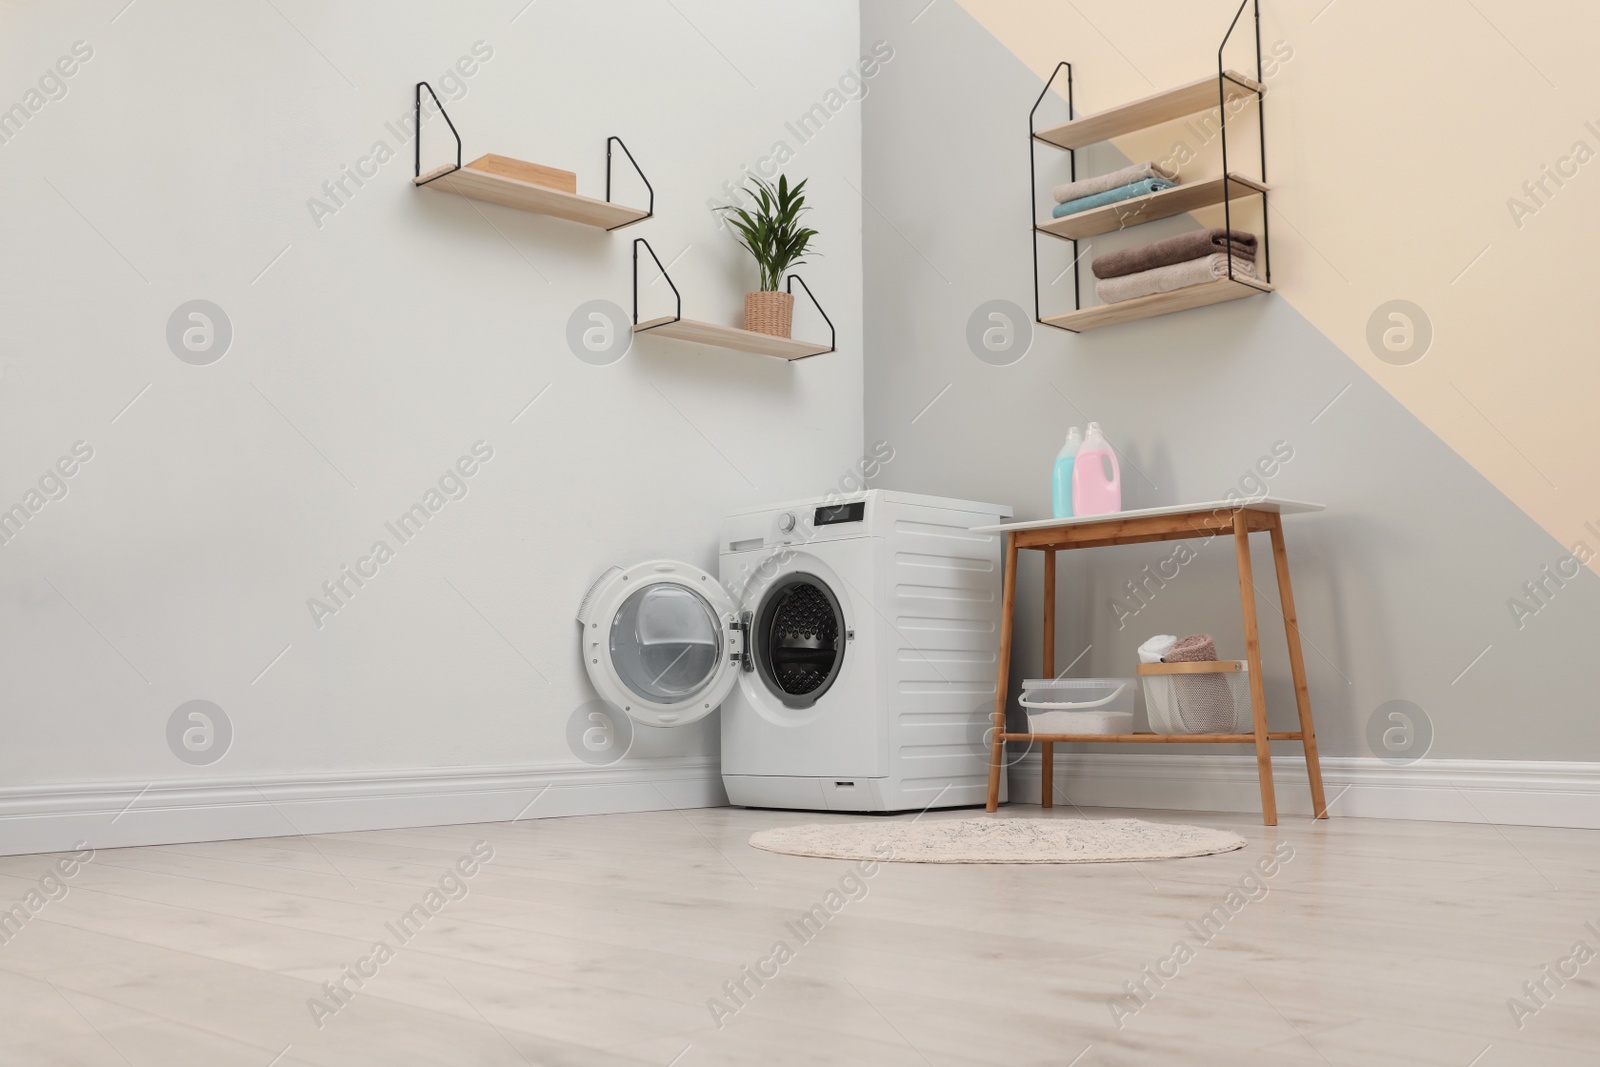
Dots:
{"x": 1159, "y": 739}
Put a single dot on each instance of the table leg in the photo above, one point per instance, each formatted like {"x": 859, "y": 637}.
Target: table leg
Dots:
{"x": 1047, "y": 764}
{"x": 1258, "y": 692}
{"x": 1002, "y": 684}
{"x": 1297, "y": 668}
{"x": 1047, "y": 749}
{"x": 1049, "y": 613}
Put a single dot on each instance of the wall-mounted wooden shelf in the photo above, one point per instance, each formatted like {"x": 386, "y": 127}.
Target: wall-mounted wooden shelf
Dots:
{"x": 1153, "y": 110}
{"x": 1205, "y": 94}
{"x": 719, "y": 336}
{"x": 1144, "y": 307}
{"x": 481, "y": 184}
{"x": 503, "y": 180}
{"x": 1178, "y": 200}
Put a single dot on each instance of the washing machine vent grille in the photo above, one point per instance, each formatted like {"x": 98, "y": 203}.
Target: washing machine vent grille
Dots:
{"x": 805, "y": 634}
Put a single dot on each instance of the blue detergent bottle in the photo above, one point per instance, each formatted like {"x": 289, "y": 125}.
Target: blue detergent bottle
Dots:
{"x": 1061, "y": 481}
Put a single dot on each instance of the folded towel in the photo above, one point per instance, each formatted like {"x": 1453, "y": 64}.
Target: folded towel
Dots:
{"x": 1138, "y": 172}
{"x": 1173, "y": 276}
{"x": 1174, "y": 250}
{"x": 1111, "y": 196}
{"x": 1196, "y": 648}
{"x": 1151, "y": 650}
{"x": 1205, "y": 701}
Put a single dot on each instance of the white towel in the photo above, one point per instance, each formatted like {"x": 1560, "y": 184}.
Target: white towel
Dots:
{"x": 1173, "y": 276}
{"x": 1152, "y": 650}
{"x": 1138, "y": 172}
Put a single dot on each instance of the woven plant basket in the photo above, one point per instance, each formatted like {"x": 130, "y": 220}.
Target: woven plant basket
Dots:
{"x": 769, "y": 313}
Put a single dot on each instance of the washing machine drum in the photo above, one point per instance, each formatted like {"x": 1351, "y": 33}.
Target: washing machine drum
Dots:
{"x": 798, "y": 639}
{"x": 661, "y": 641}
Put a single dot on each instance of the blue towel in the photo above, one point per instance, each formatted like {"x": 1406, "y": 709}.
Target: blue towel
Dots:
{"x": 1111, "y": 196}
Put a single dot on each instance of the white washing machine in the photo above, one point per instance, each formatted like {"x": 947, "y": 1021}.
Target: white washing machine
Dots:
{"x": 850, "y": 641}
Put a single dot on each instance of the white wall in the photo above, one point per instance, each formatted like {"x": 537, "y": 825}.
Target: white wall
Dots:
{"x": 371, "y": 348}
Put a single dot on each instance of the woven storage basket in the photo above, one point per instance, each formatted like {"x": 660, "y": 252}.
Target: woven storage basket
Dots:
{"x": 769, "y": 313}
{"x": 1215, "y": 701}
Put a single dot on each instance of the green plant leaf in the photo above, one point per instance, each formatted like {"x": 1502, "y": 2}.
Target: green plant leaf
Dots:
{"x": 771, "y": 231}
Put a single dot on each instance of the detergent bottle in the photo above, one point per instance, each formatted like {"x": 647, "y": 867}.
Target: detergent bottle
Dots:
{"x": 1096, "y": 478}
{"x": 1061, "y": 481}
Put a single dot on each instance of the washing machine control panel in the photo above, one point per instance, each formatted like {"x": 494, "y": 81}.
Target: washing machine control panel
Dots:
{"x": 823, "y": 519}
{"x": 836, "y": 514}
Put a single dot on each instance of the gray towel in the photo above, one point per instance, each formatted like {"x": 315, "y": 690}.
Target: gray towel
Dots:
{"x": 1175, "y": 276}
{"x": 1138, "y": 172}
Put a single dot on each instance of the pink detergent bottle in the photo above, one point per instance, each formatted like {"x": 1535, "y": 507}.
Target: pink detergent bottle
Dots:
{"x": 1096, "y": 478}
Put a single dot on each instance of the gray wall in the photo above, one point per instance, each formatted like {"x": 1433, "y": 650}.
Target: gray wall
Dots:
{"x": 1401, "y": 583}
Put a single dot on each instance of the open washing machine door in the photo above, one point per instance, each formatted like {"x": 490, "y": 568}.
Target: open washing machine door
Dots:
{"x": 663, "y": 642}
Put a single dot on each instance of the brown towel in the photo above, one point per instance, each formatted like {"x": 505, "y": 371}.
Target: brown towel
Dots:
{"x": 1174, "y": 250}
{"x": 1205, "y": 701}
{"x": 1196, "y": 648}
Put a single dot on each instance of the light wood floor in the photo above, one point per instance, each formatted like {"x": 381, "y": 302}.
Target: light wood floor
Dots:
{"x": 599, "y": 941}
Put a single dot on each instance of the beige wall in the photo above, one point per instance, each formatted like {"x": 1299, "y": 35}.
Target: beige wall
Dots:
{"x": 1401, "y": 136}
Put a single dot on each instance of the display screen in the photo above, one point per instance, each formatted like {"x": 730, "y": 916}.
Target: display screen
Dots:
{"x": 854, "y": 511}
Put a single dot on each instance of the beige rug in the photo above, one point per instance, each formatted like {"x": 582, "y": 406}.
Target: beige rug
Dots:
{"x": 999, "y": 840}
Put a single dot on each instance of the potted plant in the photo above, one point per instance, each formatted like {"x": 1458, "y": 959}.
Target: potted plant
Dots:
{"x": 772, "y": 233}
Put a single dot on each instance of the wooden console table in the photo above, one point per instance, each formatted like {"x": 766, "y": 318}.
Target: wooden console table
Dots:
{"x": 1239, "y": 519}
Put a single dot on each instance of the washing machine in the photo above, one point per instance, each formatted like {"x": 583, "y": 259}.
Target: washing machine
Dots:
{"x": 850, "y": 641}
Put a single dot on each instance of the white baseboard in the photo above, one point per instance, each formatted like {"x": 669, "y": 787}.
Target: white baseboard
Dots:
{"x": 1511, "y": 792}
{"x": 116, "y": 815}
{"x": 55, "y": 818}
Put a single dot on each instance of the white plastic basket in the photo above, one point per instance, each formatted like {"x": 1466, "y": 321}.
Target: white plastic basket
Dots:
{"x": 1078, "y": 705}
{"x": 1213, "y": 699}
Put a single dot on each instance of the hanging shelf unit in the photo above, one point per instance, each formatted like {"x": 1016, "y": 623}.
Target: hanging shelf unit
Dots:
{"x": 718, "y": 335}
{"x": 1227, "y": 88}
{"x": 486, "y": 178}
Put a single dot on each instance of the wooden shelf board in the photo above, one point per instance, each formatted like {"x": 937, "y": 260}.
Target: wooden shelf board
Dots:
{"x": 1157, "y": 739}
{"x": 1163, "y": 205}
{"x": 540, "y": 199}
{"x": 1203, "y": 515}
{"x": 1220, "y": 666}
{"x": 1144, "y": 307}
{"x": 719, "y": 336}
{"x": 1150, "y": 111}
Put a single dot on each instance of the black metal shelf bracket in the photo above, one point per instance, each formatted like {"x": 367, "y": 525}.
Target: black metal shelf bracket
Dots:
{"x": 650, "y": 211}
{"x": 1033, "y": 189}
{"x": 788, "y": 286}
{"x": 1259, "y": 89}
{"x": 676, "y": 315}
{"x": 416, "y": 134}
{"x": 1261, "y": 129}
